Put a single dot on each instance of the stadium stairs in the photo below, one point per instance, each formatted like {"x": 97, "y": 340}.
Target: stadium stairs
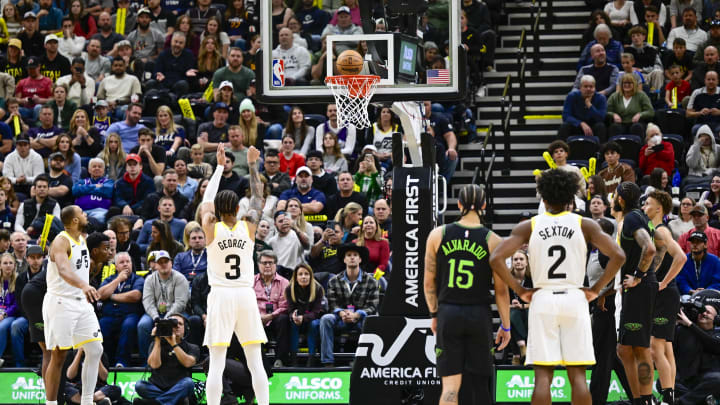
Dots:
{"x": 559, "y": 49}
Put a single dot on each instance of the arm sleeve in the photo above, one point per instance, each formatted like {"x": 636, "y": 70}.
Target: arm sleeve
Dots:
{"x": 213, "y": 185}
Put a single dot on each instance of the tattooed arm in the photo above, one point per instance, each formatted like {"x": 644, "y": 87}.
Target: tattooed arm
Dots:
{"x": 429, "y": 281}
{"x": 257, "y": 201}
{"x": 648, "y": 249}
{"x": 660, "y": 249}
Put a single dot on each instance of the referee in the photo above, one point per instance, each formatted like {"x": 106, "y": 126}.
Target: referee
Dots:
{"x": 458, "y": 279}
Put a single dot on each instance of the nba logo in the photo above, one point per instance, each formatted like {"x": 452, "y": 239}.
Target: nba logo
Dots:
{"x": 278, "y": 73}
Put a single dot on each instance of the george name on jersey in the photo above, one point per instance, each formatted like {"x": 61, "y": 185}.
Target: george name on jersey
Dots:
{"x": 473, "y": 248}
{"x": 556, "y": 230}
{"x": 231, "y": 243}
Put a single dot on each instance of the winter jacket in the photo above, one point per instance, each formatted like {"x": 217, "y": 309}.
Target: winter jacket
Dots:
{"x": 709, "y": 274}
{"x": 697, "y": 166}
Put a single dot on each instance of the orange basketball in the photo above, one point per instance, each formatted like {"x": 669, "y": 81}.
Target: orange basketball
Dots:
{"x": 349, "y": 63}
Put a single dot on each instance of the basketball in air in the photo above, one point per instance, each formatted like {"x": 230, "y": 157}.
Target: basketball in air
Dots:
{"x": 349, "y": 63}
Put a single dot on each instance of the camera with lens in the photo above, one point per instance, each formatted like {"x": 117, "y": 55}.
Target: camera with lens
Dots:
{"x": 164, "y": 327}
{"x": 692, "y": 306}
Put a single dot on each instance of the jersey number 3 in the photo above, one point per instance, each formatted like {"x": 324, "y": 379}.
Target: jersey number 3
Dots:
{"x": 235, "y": 273}
{"x": 561, "y": 258}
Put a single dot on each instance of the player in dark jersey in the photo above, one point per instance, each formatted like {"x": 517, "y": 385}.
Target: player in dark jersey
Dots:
{"x": 669, "y": 261}
{"x": 638, "y": 294}
{"x": 557, "y": 189}
{"x": 457, "y": 285}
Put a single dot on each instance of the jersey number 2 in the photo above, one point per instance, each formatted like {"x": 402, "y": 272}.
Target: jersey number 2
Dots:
{"x": 235, "y": 273}
{"x": 558, "y": 262}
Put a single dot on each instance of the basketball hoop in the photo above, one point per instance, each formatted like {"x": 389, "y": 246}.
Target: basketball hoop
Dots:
{"x": 352, "y": 96}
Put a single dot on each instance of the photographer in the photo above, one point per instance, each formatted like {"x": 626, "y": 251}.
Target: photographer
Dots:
{"x": 697, "y": 348}
{"x": 171, "y": 360}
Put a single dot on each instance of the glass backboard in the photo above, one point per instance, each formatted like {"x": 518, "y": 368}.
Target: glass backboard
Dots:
{"x": 413, "y": 45}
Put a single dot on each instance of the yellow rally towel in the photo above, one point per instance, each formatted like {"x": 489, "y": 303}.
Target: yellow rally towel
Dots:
{"x": 208, "y": 95}
{"x": 16, "y": 125}
{"x": 187, "y": 111}
{"x": 46, "y": 230}
{"x": 120, "y": 21}
{"x": 674, "y": 98}
{"x": 651, "y": 32}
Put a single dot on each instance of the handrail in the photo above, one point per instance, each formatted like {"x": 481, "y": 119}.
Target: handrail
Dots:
{"x": 549, "y": 16}
{"x": 521, "y": 75}
{"x": 506, "y": 137}
{"x": 522, "y": 40}
{"x": 490, "y": 192}
{"x": 487, "y": 137}
{"x": 536, "y": 42}
{"x": 506, "y": 90}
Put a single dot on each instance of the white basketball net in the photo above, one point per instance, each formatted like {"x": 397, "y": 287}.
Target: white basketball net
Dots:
{"x": 352, "y": 96}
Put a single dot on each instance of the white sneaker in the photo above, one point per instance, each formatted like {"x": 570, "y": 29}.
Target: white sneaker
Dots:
{"x": 278, "y": 363}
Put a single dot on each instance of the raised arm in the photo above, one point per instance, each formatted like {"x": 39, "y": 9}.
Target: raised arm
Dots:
{"x": 207, "y": 207}
{"x": 257, "y": 201}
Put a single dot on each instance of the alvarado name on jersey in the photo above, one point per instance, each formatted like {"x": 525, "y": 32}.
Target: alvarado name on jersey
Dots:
{"x": 474, "y": 249}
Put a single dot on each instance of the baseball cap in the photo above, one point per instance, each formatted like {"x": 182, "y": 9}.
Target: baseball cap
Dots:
{"x": 51, "y": 37}
{"x": 124, "y": 42}
{"x": 220, "y": 105}
{"x": 29, "y": 14}
{"x": 15, "y": 42}
{"x": 303, "y": 169}
{"x": 32, "y": 62}
{"x": 226, "y": 83}
{"x": 314, "y": 154}
{"x": 698, "y": 235}
{"x": 344, "y": 9}
{"x": 699, "y": 208}
{"x": 34, "y": 250}
{"x": 22, "y": 138}
{"x": 161, "y": 254}
{"x": 144, "y": 10}
{"x": 133, "y": 156}
{"x": 102, "y": 103}
{"x": 56, "y": 155}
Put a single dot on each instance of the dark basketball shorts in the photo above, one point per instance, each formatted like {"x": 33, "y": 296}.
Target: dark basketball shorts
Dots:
{"x": 464, "y": 339}
{"x": 667, "y": 306}
{"x": 32, "y": 303}
{"x": 636, "y": 315}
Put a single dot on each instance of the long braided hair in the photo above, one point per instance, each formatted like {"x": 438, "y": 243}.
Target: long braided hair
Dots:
{"x": 472, "y": 198}
{"x": 226, "y": 203}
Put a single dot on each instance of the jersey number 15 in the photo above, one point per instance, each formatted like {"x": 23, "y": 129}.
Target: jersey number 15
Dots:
{"x": 464, "y": 284}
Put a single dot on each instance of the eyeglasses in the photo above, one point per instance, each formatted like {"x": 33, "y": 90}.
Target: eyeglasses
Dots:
{"x": 267, "y": 263}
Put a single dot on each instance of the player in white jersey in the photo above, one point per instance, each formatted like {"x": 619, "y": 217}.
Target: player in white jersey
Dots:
{"x": 68, "y": 314}
{"x": 559, "y": 331}
{"x": 232, "y": 305}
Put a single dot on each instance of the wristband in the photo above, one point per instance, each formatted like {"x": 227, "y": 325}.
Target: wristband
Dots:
{"x": 639, "y": 274}
{"x": 175, "y": 345}
{"x": 433, "y": 314}
{"x": 503, "y": 328}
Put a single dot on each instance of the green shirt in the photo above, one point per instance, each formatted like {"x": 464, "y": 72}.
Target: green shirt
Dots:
{"x": 240, "y": 80}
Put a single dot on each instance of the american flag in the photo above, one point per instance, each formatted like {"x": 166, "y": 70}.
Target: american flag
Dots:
{"x": 438, "y": 76}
